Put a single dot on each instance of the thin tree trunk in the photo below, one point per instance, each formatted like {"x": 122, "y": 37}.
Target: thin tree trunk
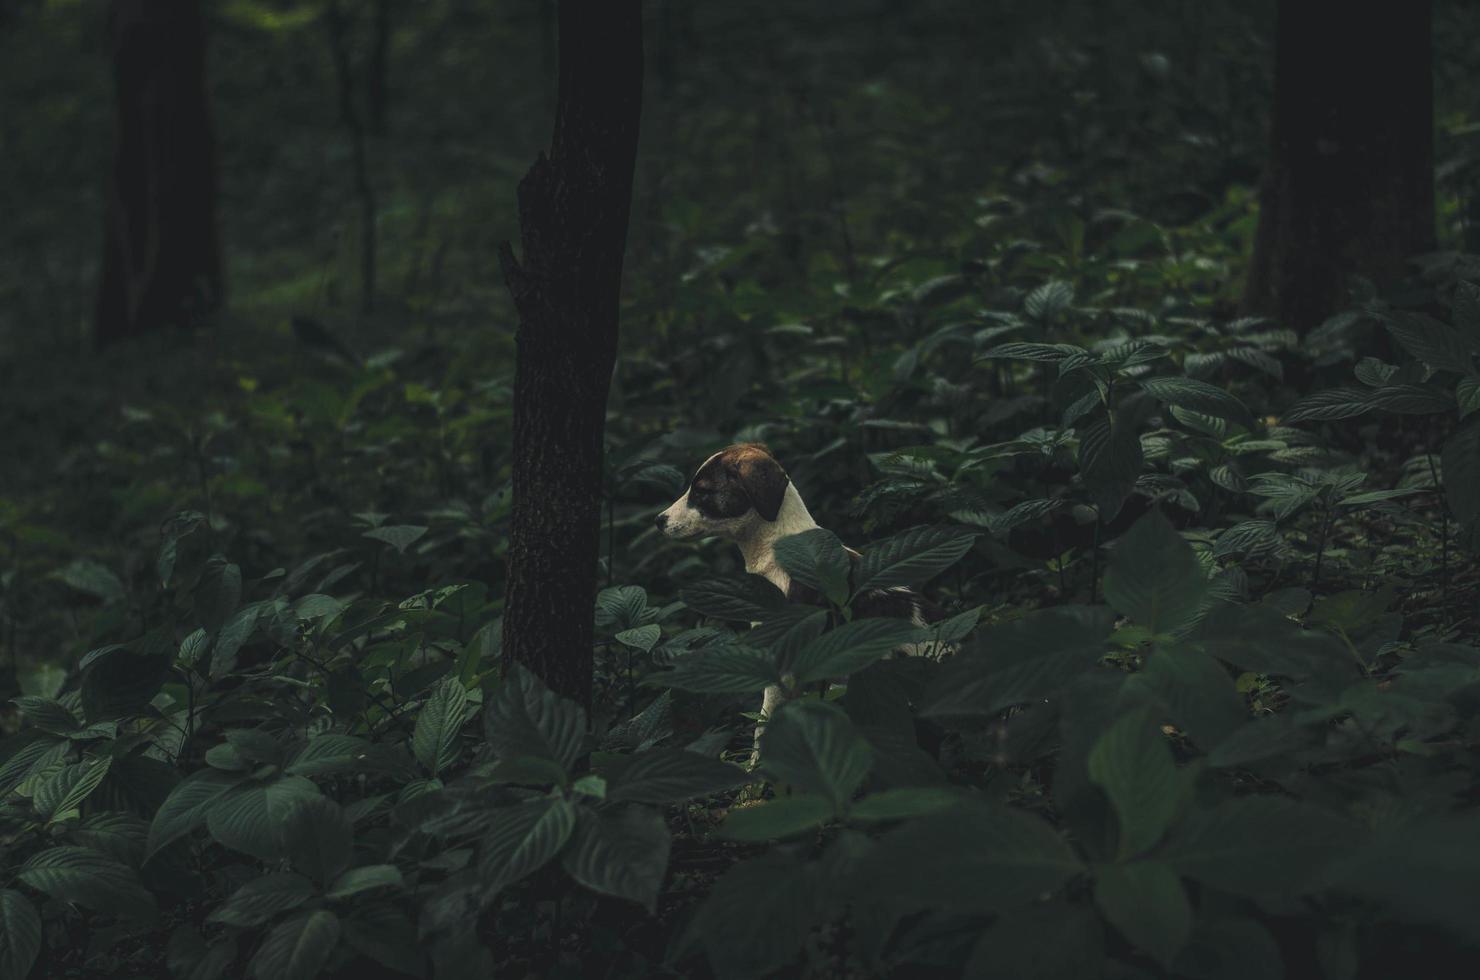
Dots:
{"x": 573, "y": 211}
{"x": 1349, "y": 186}
{"x": 161, "y": 250}
{"x": 339, "y": 42}
{"x": 378, "y": 94}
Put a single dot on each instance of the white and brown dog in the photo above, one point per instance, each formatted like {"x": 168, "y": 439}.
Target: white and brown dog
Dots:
{"x": 742, "y": 494}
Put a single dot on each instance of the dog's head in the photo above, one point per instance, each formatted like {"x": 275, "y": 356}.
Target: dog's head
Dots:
{"x": 732, "y": 492}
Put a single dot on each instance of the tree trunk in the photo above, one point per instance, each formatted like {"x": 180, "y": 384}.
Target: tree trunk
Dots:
{"x": 573, "y": 209}
{"x": 161, "y": 253}
{"x": 1349, "y": 186}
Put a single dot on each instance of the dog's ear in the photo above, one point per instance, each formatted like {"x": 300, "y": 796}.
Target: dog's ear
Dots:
{"x": 764, "y": 482}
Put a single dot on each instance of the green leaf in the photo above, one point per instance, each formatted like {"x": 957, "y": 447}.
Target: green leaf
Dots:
{"x": 1047, "y": 301}
{"x": 1258, "y": 845}
{"x": 318, "y": 837}
{"x": 1461, "y": 471}
{"x": 1426, "y": 870}
{"x": 1436, "y": 344}
{"x": 1331, "y": 404}
{"x": 622, "y": 607}
{"x": 20, "y": 935}
{"x": 91, "y": 578}
{"x": 331, "y": 754}
{"x": 813, "y": 746}
{"x": 817, "y": 560}
{"x": 621, "y": 852}
{"x": 217, "y": 593}
{"x": 398, "y": 536}
{"x": 1047, "y": 941}
{"x": 729, "y": 669}
{"x": 263, "y": 898}
{"x": 1145, "y": 900}
{"x": 1110, "y": 460}
{"x": 957, "y": 628}
{"x": 48, "y": 715}
{"x": 783, "y": 817}
{"x": 1233, "y": 948}
{"x": 1133, "y": 765}
{"x": 671, "y": 776}
{"x": 82, "y": 875}
{"x": 299, "y": 948}
{"x": 906, "y": 801}
{"x": 1467, "y": 395}
{"x": 434, "y": 741}
{"x": 120, "y": 682}
{"x": 743, "y": 599}
{"x": 84, "y": 777}
{"x": 1154, "y": 577}
{"x": 523, "y": 839}
{"x": 1199, "y": 396}
{"x": 249, "y": 818}
{"x": 642, "y": 638}
{"x": 384, "y": 935}
{"x": 1021, "y": 351}
{"x": 1014, "y": 663}
{"x": 973, "y": 859}
{"x": 1197, "y": 691}
{"x": 841, "y": 651}
{"x": 364, "y": 879}
{"x": 912, "y": 557}
{"x": 185, "y": 808}
{"x": 525, "y": 718}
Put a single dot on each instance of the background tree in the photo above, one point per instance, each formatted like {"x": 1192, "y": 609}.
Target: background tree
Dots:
{"x": 161, "y": 253}
{"x": 1349, "y": 184}
{"x": 573, "y": 211}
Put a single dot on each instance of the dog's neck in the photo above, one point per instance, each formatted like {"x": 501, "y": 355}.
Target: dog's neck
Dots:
{"x": 759, "y": 547}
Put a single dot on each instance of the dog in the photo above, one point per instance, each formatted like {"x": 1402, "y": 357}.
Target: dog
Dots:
{"x": 743, "y": 494}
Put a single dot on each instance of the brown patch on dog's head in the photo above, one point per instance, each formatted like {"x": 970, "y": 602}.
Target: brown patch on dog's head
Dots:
{"x": 742, "y": 477}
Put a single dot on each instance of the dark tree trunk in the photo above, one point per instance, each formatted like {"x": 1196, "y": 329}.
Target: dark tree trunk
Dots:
{"x": 573, "y": 209}
{"x": 380, "y": 43}
{"x": 161, "y": 253}
{"x": 339, "y": 45}
{"x": 1349, "y": 186}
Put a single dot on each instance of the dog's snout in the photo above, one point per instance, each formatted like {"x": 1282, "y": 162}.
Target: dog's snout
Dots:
{"x": 661, "y": 521}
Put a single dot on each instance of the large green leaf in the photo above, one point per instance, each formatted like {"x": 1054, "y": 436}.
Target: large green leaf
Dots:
{"x": 217, "y": 593}
{"x": 263, "y": 898}
{"x": 1110, "y": 460}
{"x": 756, "y": 918}
{"x": 783, "y": 817}
{"x": 814, "y": 747}
{"x": 1154, "y": 578}
{"x": 729, "y": 669}
{"x": 318, "y": 837}
{"x": 525, "y": 718}
{"x": 1046, "y": 941}
{"x": 621, "y": 852}
{"x": 742, "y": 599}
{"x": 185, "y": 808}
{"x": 249, "y": 818}
{"x": 523, "y": 838}
{"x": 1017, "y": 662}
{"x": 1145, "y": 900}
{"x": 64, "y": 793}
{"x": 48, "y": 715}
{"x": 84, "y": 876}
{"x": 121, "y": 682}
{"x": 1436, "y": 344}
{"x": 841, "y": 651}
{"x": 912, "y": 557}
{"x": 817, "y": 560}
{"x": 1133, "y": 765}
{"x": 366, "y": 878}
{"x": 299, "y": 948}
{"x": 1199, "y": 396}
{"x": 973, "y": 858}
{"x": 1258, "y": 845}
{"x": 671, "y": 776}
{"x": 1425, "y": 871}
{"x": 20, "y": 935}
{"x": 434, "y": 741}
{"x": 1461, "y": 470}
{"x": 1197, "y": 691}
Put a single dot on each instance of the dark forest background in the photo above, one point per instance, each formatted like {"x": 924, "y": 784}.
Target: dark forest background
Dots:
{"x": 1140, "y": 335}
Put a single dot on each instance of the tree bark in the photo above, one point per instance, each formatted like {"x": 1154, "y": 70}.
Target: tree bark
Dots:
{"x": 161, "y": 251}
{"x": 573, "y": 215}
{"x": 1349, "y": 185}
